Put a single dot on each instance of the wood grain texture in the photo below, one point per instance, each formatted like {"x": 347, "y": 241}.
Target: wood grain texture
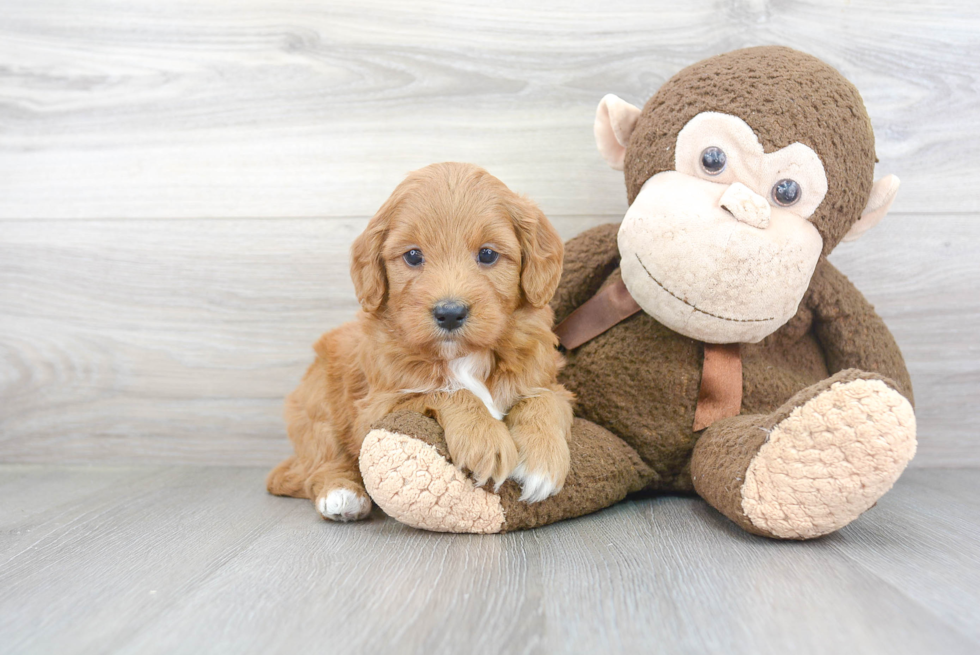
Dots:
{"x": 198, "y": 559}
{"x": 179, "y": 186}
{"x": 176, "y": 340}
{"x": 271, "y": 109}
{"x": 145, "y": 341}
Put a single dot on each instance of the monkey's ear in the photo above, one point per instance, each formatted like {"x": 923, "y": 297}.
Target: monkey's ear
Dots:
{"x": 882, "y": 196}
{"x": 614, "y": 122}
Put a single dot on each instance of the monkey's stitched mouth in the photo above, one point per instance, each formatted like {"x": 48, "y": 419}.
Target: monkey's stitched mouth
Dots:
{"x": 724, "y": 318}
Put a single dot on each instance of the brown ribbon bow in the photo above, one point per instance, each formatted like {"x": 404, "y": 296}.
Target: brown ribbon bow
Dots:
{"x": 721, "y": 375}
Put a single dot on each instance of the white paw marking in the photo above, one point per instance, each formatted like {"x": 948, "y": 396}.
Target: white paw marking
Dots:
{"x": 536, "y": 486}
{"x": 344, "y": 505}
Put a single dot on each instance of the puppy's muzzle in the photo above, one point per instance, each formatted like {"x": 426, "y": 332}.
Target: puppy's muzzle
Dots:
{"x": 450, "y": 314}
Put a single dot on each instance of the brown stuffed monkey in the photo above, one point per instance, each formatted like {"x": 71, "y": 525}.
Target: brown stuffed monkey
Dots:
{"x": 711, "y": 345}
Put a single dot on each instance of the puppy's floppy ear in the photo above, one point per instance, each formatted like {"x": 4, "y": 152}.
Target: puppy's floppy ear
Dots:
{"x": 367, "y": 268}
{"x": 542, "y": 251}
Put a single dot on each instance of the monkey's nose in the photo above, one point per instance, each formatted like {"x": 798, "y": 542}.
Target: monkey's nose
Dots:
{"x": 746, "y": 205}
{"x": 450, "y": 314}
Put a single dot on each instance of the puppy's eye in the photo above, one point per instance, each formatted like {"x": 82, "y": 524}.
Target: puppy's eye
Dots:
{"x": 786, "y": 192}
{"x": 713, "y": 160}
{"x": 413, "y": 257}
{"x": 487, "y": 256}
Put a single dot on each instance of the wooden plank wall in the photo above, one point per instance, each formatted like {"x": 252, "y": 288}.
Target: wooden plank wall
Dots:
{"x": 180, "y": 183}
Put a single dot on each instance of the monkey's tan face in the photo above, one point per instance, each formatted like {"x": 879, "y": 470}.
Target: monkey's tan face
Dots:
{"x": 720, "y": 249}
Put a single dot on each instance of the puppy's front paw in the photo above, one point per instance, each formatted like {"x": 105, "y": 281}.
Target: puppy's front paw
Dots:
{"x": 487, "y": 450}
{"x": 343, "y": 505}
{"x": 543, "y": 465}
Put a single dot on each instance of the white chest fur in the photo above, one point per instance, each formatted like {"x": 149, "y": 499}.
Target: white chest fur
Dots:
{"x": 470, "y": 373}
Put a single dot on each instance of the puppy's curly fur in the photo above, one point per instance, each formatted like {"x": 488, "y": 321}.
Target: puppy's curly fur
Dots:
{"x": 491, "y": 383}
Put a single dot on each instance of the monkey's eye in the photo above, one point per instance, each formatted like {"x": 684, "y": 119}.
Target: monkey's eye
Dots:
{"x": 713, "y": 160}
{"x": 487, "y": 256}
{"x": 786, "y": 192}
{"x": 413, "y": 257}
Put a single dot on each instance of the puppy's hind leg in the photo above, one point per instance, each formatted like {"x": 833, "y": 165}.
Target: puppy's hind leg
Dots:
{"x": 334, "y": 486}
{"x": 321, "y": 469}
{"x": 288, "y": 478}
{"x": 338, "y": 491}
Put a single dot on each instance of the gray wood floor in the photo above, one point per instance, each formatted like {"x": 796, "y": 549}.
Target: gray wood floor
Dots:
{"x": 196, "y": 559}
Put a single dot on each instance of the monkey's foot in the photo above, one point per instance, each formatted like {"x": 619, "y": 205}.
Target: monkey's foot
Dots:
{"x": 829, "y": 460}
{"x": 406, "y": 470}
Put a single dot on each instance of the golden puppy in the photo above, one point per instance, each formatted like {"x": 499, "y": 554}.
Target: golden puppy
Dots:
{"x": 454, "y": 275}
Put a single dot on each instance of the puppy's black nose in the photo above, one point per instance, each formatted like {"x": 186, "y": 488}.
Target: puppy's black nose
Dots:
{"x": 450, "y": 314}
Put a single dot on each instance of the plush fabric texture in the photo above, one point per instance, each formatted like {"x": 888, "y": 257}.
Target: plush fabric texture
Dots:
{"x": 883, "y": 195}
{"x": 406, "y": 473}
{"x": 786, "y": 96}
{"x": 719, "y": 462}
{"x": 746, "y": 206}
{"x": 850, "y": 332}
{"x": 615, "y": 119}
{"x": 587, "y": 265}
{"x": 640, "y": 380}
{"x": 603, "y": 471}
{"x": 814, "y": 464}
{"x": 829, "y": 460}
{"x": 604, "y": 310}
{"x": 749, "y": 164}
{"x": 406, "y": 470}
{"x": 701, "y": 272}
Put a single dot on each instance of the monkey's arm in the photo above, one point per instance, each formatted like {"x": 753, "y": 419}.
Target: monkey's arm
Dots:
{"x": 850, "y": 331}
{"x": 589, "y": 259}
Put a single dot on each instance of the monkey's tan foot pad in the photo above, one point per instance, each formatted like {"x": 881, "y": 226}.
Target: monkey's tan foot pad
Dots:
{"x": 830, "y": 459}
{"x": 414, "y": 484}
{"x": 406, "y": 470}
